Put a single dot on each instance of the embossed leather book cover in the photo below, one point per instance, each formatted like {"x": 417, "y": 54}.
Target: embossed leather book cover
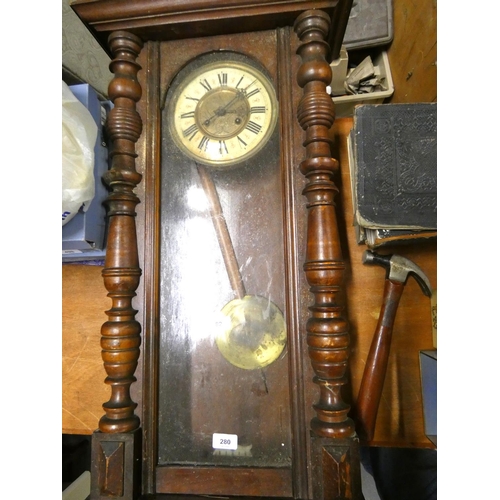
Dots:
{"x": 394, "y": 165}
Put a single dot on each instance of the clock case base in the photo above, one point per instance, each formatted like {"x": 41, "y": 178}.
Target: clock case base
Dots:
{"x": 116, "y": 465}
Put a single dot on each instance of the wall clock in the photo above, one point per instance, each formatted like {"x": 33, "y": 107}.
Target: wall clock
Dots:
{"x": 222, "y": 292}
{"x": 206, "y": 107}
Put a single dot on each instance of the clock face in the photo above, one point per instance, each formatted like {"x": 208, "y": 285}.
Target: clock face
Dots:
{"x": 223, "y": 113}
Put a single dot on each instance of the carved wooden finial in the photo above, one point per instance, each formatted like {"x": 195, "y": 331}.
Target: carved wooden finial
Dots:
{"x": 121, "y": 339}
{"x": 327, "y": 329}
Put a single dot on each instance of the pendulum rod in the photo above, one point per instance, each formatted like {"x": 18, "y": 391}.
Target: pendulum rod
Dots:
{"x": 223, "y": 236}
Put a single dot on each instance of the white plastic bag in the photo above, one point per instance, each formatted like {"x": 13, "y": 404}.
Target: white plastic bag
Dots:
{"x": 79, "y": 134}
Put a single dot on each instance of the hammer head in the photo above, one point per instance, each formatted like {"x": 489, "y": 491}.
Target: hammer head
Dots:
{"x": 399, "y": 269}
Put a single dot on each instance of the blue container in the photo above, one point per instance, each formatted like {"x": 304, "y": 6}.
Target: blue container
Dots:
{"x": 84, "y": 236}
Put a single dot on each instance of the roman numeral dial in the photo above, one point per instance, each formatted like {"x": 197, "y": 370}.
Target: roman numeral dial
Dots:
{"x": 223, "y": 112}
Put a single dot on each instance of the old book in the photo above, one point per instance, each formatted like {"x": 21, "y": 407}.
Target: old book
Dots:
{"x": 374, "y": 238}
{"x": 393, "y": 164}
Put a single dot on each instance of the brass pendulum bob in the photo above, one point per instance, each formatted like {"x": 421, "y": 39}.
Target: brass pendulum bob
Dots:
{"x": 252, "y": 330}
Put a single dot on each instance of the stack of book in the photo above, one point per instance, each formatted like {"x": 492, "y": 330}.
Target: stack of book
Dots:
{"x": 393, "y": 167}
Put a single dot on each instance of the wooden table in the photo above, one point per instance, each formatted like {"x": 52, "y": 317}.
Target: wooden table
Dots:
{"x": 83, "y": 374}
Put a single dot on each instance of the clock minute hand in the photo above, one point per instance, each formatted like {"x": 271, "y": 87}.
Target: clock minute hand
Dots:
{"x": 223, "y": 236}
{"x": 222, "y": 110}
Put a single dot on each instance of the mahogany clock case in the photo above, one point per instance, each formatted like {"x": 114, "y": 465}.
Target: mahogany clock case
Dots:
{"x": 188, "y": 390}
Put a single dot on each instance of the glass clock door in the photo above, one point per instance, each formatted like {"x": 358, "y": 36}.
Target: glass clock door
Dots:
{"x": 215, "y": 409}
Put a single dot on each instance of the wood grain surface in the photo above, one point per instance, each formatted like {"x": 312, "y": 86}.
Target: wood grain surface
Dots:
{"x": 413, "y": 51}
{"x": 83, "y": 305}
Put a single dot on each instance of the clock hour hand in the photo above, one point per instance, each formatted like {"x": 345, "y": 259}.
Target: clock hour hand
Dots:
{"x": 240, "y": 93}
{"x": 222, "y": 110}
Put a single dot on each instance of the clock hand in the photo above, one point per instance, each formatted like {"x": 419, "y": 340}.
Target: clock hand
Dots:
{"x": 222, "y": 110}
{"x": 240, "y": 94}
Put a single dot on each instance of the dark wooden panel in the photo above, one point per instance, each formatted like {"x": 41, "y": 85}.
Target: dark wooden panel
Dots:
{"x": 169, "y": 20}
{"x": 230, "y": 481}
{"x": 115, "y": 465}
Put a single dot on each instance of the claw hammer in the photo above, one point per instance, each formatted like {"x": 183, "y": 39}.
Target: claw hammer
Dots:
{"x": 398, "y": 270}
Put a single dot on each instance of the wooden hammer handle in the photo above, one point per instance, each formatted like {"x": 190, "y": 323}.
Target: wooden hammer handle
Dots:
{"x": 372, "y": 383}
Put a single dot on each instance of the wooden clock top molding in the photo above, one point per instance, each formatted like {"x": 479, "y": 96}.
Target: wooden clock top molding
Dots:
{"x": 177, "y": 19}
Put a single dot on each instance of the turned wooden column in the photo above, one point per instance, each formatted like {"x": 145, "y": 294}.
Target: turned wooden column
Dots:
{"x": 335, "y": 460}
{"x": 121, "y": 333}
{"x": 327, "y": 329}
{"x": 116, "y": 448}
